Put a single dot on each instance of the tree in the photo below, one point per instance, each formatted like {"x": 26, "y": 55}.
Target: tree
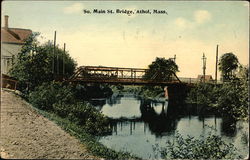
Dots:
{"x": 230, "y": 99}
{"x": 227, "y": 64}
{"x": 161, "y": 69}
{"x": 34, "y": 63}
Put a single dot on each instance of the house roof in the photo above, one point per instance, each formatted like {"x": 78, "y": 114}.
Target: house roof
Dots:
{"x": 14, "y": 35}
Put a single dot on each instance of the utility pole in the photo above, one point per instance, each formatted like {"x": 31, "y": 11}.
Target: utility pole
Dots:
{"x": 204, "y": 66}
{"x": 63, "y": 60}
{"x": 57, "y": 63}
{"x": 54, "y": 51}
{"x": 216, "y": 64}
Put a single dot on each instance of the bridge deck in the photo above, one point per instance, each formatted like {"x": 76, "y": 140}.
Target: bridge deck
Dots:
{"x": 116, "y": 75}
{"x": 125, "y": 81}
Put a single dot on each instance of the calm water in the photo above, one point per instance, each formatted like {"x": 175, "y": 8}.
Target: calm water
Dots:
{"x": 140, "y": 124}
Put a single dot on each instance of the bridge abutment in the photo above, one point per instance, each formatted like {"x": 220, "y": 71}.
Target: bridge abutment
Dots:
{"x": 177, "y": 93}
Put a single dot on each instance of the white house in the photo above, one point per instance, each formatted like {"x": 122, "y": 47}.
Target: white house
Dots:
{"x": 12, "y": 40}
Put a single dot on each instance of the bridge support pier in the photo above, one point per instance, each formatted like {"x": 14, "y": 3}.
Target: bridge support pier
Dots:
{"x": 177, "y": 93}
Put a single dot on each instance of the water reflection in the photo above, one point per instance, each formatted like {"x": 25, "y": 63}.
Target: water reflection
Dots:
{"x": 159, "y": 117}
{"x": 158, "y": 122}
{"x": 139, "y": 123}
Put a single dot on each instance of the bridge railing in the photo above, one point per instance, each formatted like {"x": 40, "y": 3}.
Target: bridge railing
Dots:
{"x": 100, "y": 73}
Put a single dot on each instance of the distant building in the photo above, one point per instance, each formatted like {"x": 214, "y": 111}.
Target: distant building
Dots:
{"x": 12, "y": 40}
{"x": 208, "y": 78}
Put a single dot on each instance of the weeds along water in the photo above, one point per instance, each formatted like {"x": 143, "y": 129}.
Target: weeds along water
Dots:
{"x": 90, "y": 141}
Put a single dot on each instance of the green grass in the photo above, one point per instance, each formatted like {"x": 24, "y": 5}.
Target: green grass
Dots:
{"x": 90, "y": 141}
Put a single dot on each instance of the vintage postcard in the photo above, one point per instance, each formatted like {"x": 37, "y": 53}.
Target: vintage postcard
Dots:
{"x": 124, "y": 79}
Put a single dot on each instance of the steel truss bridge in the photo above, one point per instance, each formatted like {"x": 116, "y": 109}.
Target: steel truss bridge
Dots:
{"x": 116, "y": 75}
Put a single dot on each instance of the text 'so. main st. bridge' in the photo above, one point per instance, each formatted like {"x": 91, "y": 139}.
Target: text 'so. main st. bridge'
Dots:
{"x": 115, "y": 75}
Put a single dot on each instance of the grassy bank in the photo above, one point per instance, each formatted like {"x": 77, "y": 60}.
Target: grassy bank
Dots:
{"x": 90, "y": 141}
{"x": 60, "y": 103}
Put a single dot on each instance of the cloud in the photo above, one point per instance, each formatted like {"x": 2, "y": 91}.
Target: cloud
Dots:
{"x": 181, "y": 22}
{"x": 74, "y": 8}
{"x": 201, "y": 16}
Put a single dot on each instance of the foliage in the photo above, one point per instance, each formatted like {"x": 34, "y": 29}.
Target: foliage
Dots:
{"x": 60, "y": 99}
{"x": 230, "y": 99}
{"x": 47, "y": 94}
{"x": 210, "y": 147}
{"x": 233, "y": 99}
{"x": 63, "y": 59}
{"x": 203, "y": 94}
{"x": 130, "y": 89}
{"x": 243, "y": 72}
{"x": 85, "y": 115}
{"x": 120, "y": 87}
{"x": 227, "y": 64}
{"x": 93, "y": 91}
{"x": 90, "y": 141}
{"x": 34, "y": 63}
{"x": 152, "y": 92}
{"x": 161, "y": 69}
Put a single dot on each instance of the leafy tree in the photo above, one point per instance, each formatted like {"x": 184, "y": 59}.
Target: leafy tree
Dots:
{"x": 243, "y": 72}
{"x": 34, "y": 63}
{"x": 161, "y": 69}
{"x": 230, "y": 99}
{"x": 227, "y": 64}
{"x": 233, "y": 100}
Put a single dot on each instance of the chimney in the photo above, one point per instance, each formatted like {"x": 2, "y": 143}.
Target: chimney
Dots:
{"x": 6, "y": 21}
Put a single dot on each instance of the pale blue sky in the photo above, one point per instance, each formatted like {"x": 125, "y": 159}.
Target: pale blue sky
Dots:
{"x": 189, "y": 29}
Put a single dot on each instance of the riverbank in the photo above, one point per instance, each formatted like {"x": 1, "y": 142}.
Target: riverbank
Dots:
{"x": 90, "y": 147}
{"x": 25, "y": 134}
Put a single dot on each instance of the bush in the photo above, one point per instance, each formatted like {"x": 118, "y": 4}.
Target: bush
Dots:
{"x": 60, "y": 99}
{"x": 152, "y": 91}
{"x": 234, "y": 99}
{"x": 47, "y": 94}
{"x": 85, "y": 115}
{"x": 230, "y": 99}
{"x": 210, "y": 147}
{"x": 84, "y": 92}
{"x": 203, "y": 94}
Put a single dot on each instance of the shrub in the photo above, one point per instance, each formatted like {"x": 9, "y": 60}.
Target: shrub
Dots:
{"x": 85, "y": 115}
{"x": 47, "y": 94}
{"x": 203, "y": 94}
{"x": 234, "y": 99}
{"x": 151, "y": 91}
{"x": 60, "y": 99}
{"x": 210, "y": 147}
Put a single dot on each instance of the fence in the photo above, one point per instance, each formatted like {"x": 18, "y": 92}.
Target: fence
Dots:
{"x": 8, "y": 82}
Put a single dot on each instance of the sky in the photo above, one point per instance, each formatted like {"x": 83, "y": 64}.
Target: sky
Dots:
{"x": 188, "y": 30}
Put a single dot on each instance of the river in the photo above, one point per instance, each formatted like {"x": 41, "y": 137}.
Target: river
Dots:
{"x": 142, "y": 127}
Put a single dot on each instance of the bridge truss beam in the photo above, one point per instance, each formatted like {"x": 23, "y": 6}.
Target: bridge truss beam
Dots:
{"x": 101, "y": 74}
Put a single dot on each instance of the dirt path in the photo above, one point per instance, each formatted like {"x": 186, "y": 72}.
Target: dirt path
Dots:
{"x": 25, "y": 134}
